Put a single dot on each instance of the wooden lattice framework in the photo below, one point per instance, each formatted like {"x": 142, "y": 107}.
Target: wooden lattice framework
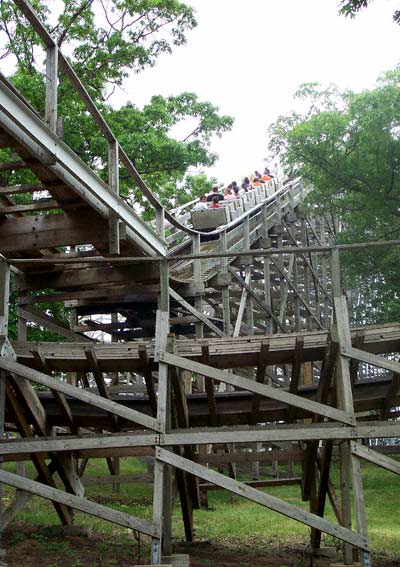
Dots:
{"x": 259, "y": 309}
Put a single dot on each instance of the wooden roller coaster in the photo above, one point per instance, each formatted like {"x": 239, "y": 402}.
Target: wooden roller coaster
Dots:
{"x": 200, "y": 349}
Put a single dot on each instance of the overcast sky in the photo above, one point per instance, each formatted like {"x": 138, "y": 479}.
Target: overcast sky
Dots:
{"x": 248, "y": 58}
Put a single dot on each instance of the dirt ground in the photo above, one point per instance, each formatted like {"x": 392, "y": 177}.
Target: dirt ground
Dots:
{"x": 28, "y": 547}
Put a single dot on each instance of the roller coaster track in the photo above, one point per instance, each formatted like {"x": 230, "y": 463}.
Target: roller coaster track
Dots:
{"x": 255, "y": 305}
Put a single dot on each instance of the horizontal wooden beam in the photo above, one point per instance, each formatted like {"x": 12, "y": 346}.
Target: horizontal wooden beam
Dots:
{"x": 43, "y": 319}
{"x": 254, "y": 495}
{"x": 260, "y": 389}
{"x": 81, "y": 504}
{"x": 200, "y": 436}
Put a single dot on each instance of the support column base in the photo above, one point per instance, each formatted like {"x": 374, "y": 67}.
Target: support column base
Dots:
{"x": 344, "y": 565}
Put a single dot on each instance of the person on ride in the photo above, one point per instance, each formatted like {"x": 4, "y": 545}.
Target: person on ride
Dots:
{"x": 201, "y": 205}
{"x": 228, "y": 194}
{"x": 215, "y": 203}
{"x": 215, "y": 193}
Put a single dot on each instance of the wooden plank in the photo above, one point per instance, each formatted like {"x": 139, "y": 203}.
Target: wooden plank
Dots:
{"x": 391, "y": 395}
{"x": 63, "y": 512}
{"x": 260, "y": 377}
{"x": 4, "y": 297}
{"x": 262, "y": 498}
{"x": 81, "y": 504}
{"x": 259, "y": 302}
{"x": 39, "y": 205}
{"x": 261, "y": 389}
{"x": 374, "y": 457}
{"x": 148, "y": 378}
{"x": 27, "y": 188}
{"x": 200, "y": 316}
{"x": 375, "y": 360}
{"x": 200, "y": 436}
{"x": 79, "y": 394}
{"x": 44, "y": 231}
{"x": 43, "y": 319}
{"x": 242, "y": 305}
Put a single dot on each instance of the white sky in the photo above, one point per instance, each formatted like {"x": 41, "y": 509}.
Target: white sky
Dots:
{"x": 248, "y": 58}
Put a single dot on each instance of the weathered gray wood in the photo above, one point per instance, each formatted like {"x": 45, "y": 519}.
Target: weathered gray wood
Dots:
{"x": 242, "y": 305}
{"x": 262, "y": 498}
{"x": 201, "y": 436}
{"x": 51, "y": 87}
{"x": 92, "y": 508}
{"x": 200, "y": 316}
{"x": 113, "y": 181}
{"x": 4, "y": 297}
{"x": 374, "y": 457}
{"x": 261, "y": 389}
{"x": 373, "y": 359}
{"x": 79, "y": 394}
{"x": 45, "y": 320}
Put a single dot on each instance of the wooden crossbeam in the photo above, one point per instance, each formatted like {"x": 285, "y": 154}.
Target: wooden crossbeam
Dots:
{"x": 261, "y": 389}
{"x": 41, "y": 318}
{"x": 266, "y": 308}
{"x": 79, "y": 394}
{"x": 82, "y": 504}
{"x": 43, "y": 470}
{"x": 373, "y": 359}
{"x": 374, "y": 457}
{"x": 200, "y": 316}
{"x": 27, "y": 188}
{"x": 296, "y": 291}
{"x": 262, "y": 498}
{"x": 201, "y": 436}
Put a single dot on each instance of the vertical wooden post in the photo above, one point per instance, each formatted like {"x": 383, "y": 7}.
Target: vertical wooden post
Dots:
{"x": 160, "y": 222}
{"x": 345, "y": 402}
{"x": 50, "y": 113}
{"x": 4, "y": 297}
{"x": 4, "y": 308}
{"x": 198, "y": 302}
{"x": 113, "y": 180}
{"x": 226, "y": 310}
{"x": 162, "y": 494}
{"x": 249, "y": 298}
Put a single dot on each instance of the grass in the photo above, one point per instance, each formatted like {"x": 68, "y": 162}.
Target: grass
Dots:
{"x": 242, "y": 521}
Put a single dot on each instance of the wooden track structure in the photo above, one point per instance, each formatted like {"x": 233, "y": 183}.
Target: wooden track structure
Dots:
{"x": 255, "y": 320}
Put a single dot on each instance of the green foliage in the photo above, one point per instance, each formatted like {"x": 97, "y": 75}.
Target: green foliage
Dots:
{"x": 104, "y": 41}
{"x": 352, "y": 7}
{"x": 347, "y": 146}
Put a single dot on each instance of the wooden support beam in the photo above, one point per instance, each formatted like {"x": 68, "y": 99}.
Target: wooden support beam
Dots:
{"x": 322, "y": 492}
{"x": 24, "y": 428}
{"x": 391, "y": 395}
{"x": 373, "y": 359}
{"x": 79, "y": 394}
{"x": 27, "y": 188}
{"x": 47, "y": 231}
{"x": 296, "y": 291}
{"x": 242, "y": 305}
{"x": 260, "y": 377}
{"x": 4, "y": 297}
{"x": 200, "y": 316}
{"x": 266, "y": 308}
{"x": 374, "y": 457}
{"x": 148, "y": 378}
{"x": 81, "y": 504}
{"x": 262, "y": 498}
{"x": 261, "y": 389}
{"x": 43, "y": 319}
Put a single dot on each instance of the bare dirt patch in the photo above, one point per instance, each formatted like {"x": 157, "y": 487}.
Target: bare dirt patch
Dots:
{"x": 26, "y": 546}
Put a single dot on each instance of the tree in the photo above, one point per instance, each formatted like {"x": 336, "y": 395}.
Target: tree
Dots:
{"x": 352, "y": 7}
{"x": 104, "y": 41}
{"x": 347, "y": 146}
